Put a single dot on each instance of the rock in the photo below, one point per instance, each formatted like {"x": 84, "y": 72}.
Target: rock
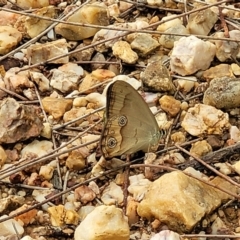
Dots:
{"x": 200, "y": 148}
{"x": 83, "y": 55}
{"x": 201, "y": 22}
{"x": 31, "y": 26}
{"x": 117, "y": 227}
{"x": 32, "y": 4}
{"x": 66, "y": 78}
{"x": 191, "y": 54}
{"x": 158, "y": 3}
{"x": 168, "y": 40}
{"x": 25, "y": 218}
{"x": 40, "y": 148}
{"x": 112, "y": 195}
{"x": 218, "y": 71}
{"x": 235, "y": 69}
{"x": 167, "y": 235}
{"x": 46, "y": 131}
{"x": 122, "y": 50}
{"x": 80, "y": 102}
{"x": 97, "y": 76}
{"x": 203, "y": 119}
{"x": 10, "y": 202}
{"x": 167, "y": 23}
{"x": 39, "y": 53}
{"x": 3, "y": 157}
{"x": 8, "y": 18}
{"x": 223, "y": 93}
{"x": 98, "y": 57}
{"x": 87, "y": 14}
{"x": 18, "y": 122}
{"x": 9, "y": 227}
{"x": 185, "y": 86}
{"x": 41, "y": 81}
{"x": 236, "y": 167}
{"x": 160, "y": 202}
{"x": 74, "y": 113}
{"x": 84, "y": 194}
{"x": 157, "y": 78}
{"x": 227, "y": 50}
{"x": 131, "y": 211}
{"x": 84, "y": 211}
{"x": 142, "y": 43}
{"x": 170, "y": 105}
{"x": 10, "y": 37}
{"x": 105, "y": 34}
{"x": 138, "y": 186}
{"x": 46, "y": 172}
{"x": 60, "y": 216}
{"x": 234, "y": 133}
{"x": 97, "y": 100}
{"x": 56, "y": 106}
{"x": 223, "y": 168}
{"x": 178, "y": 137}
{"x": 76, "y": 160}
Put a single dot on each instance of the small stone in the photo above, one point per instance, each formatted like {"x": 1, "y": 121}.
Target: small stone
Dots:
{"x": 178, "y": 137}
{"x": 97, "y": 99}
{"x": 10, "y": 202}
{"x": 214, "y": 141}
{"x": 201, "y": 22}
{"x": 117, "y": 227}
{"x": 223, "y": 168}
{"x": 39, "y": 148}
{"x": 60, "y": 216}
{"x": 66, "y": 77}
{"x": 223, "y": 93}
{"x": 32, "y": 4}
{"x": 143, "y": 43}
{"x": 41, "y": 81}
{"x": 185, "y": 86}
{"x": 80, "y": 102}
{"x": 112, "y": 194}
{"x": 18, "y": 122}
{"x": 166, "y": 234}
{"x": 39, "y": 53}
{"x": 227, "y": 50}
{"x": 170, "y": 105}
{"x": 236, "y": 167}
{"x": 156, "y": 77}
{"x": 56, "y": 106}
{"x": 158, "y": 3}
{"x": 167, "y": 40}
{"x": 88, "y": 14}
{"x": 169, "y": 23}
{"x": 203, "y": 119}
{"x": 83, "y": 55}
{"x": 234, "y": 133}
{"x": 25, "y": 218}
{"x": 167, "y": 197}
{"x": 10, "y": 37}
{"x": 46, "y": 172}
{"x": 219, "y": 71}
{"x": 191, "y": 54}
{"x": 131, "y": 211}
{"x": 138, "y": 186}
{"x": 98, "y": 57}
{"x": 122, "y": 50}
{"x": 46, "y": 131}
{"x": 84, "y": 194}
{"x": 9, "y": 227}
{"x": 31, "y": 26}
{"x": 76, "y": 160}
{"x": 3, "y": 157}
{"x": 235, "y": 69}
{"x": 74, "y": 113}
{"x": 200, "y": 148}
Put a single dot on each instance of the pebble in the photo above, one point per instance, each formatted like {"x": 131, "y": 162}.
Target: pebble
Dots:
{"x": 218, "y": 71}
{"x": 131, "y": 211}
{"x": 204, "y": 119}
{"x": 26, "y": 121}
{"x": 32, "y": 4}
{"x": 38, "y": 53}
{"x": 84, "y": 194}
{"x": 156, "y": 77}
{"x": 46, "y": 172}
{"x": 223, "y": 93}
{"x": 143, "y": 43}
{"x": 200, "y": 148}
{"x": 123, "y": 50}
{"x": 76, "y": 160}
{"x": 160, "y": 202}
{"x": 47, "y": 130}
{"x": 117, "y": 227}
{"x": 30, "y": 26}
{"x": 223, "y": 168}
{"x": 56, "y": 106}
{"x": 10, "y": 37}
{"x": 39, "y": 148}
{"x": 83, "y": 55}
{"x": 42, "y": 82}
{"x": 3, "y": 156}
{"x": 88, "y": 14}
{"x": 235, "y": 69}
{"x": 166, "y": 235}
{"x": 201, "y": 22}
{"x": 178, "y": 137}
{"x": 170, "y": 105}
{"x": 8, "y": 227}
{"x": 112, "y": 194}
{"x": 191, "y": 54}
{"x": 227, "y": 50}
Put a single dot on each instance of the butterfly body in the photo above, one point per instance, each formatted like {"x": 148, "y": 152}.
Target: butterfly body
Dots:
{"x": 130, "y": 125}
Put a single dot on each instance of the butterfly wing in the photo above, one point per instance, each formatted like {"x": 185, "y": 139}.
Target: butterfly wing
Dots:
{"x": 130, "y": 125}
